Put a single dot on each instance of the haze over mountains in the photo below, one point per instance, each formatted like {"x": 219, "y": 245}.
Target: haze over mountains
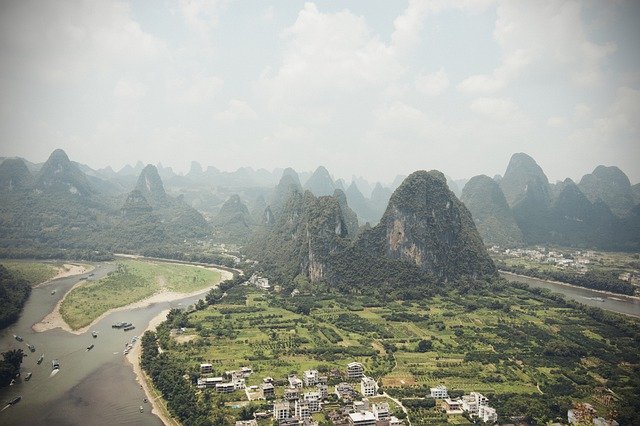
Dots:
{"x": 74, "y": 207}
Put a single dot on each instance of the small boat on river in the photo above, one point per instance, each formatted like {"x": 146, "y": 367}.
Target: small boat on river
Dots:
{"x": 28, "y": 376}
{"x": 90, "y": 347}
{"x": 18, "y": 338}
{"x": 129, "y": 328}
{"x": 94, "y": 334}
{"x": 55, "y": 364}
{"x": 14, "y": 400}
{"x": 32, "y": 348}
{"x": 39, "y": 361}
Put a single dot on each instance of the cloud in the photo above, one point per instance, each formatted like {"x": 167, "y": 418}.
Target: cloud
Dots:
{"x": 195, "y": 90}
{"x": 433, "y": 84}
{"x": 495, "y": 108}
{"x": 200, "y": 16}
{"x": 128, "y": 90}
{"x": 544, "y": 37}
{"x": 236, "y": 111}
{"x": 62, "y": 41}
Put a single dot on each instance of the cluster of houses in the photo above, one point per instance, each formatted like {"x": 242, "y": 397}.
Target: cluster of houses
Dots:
{"x": 235, "y": 380}
{"x": 260, "y": 282}
{"x": 583, "y": 414}
{"x": 577, "y": 260}
{"x": 297, "y": 406}
{"x": 475, "y": 404}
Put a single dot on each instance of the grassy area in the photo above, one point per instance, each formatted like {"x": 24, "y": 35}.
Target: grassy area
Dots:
{"x": 34, "y": 272}
{"x": 132, "y": 281}
{"x": 505, "y": 344}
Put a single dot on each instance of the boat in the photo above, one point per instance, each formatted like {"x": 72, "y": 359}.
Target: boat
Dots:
{"x": 53, "y": 292}
{"x": 18, "y": 338}
{"x": 55, "y": 364}
{"x": 15, "y": 400}
{"x": 32, "y": 348}
{"x": 90, "y": 347}
{"x": 39, "y": 361}
{"x": 28, "y": 376}
{"x": 141, "y": 409}
{"x": 94, "y": 334}
{"x": 129, "y": 328}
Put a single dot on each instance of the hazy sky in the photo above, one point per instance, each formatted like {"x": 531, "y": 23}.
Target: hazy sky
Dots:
{"x": 372, "y": 88}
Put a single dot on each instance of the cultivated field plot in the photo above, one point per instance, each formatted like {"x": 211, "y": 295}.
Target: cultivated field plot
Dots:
{"x": 518, "y": 343}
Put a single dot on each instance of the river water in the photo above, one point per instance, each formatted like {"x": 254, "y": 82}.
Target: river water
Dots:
{"x": 616, "y": 303}
{"x": 92, "y": 387}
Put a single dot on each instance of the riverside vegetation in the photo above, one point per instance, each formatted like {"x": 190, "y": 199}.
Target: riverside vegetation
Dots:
{"x": 499, "y": 339}
{"x": 132, "y": 281}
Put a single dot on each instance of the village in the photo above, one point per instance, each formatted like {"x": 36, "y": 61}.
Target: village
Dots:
{"x": 356, "y": 401}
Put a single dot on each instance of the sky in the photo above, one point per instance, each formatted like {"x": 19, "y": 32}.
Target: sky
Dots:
{"x": 369, "y": 88}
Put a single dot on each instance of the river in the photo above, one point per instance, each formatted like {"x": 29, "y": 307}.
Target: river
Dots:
{"x": 91, "y": 387}
{"x": 615, "y": 303}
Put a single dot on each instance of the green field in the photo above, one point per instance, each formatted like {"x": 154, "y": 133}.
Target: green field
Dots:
{"x": 133, "y": 280}
{"x": 35, "y": 272}
{"x": 510, "y": 343}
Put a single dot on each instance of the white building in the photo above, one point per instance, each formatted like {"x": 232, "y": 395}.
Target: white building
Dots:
{"x": 206, "y": 368}
{"x": 209, "y": 382}
{"x": 355, "y": 370}
{"x": 440, "y": 392}
{"x": 252, "y": 422}
{"x": 324, "y": 390}
{"x": 294, "y": 382}
{"x": 381, "y": 411}
{"x": 362, "y": 419}
{"x": 368, "y": 386}
{"x": 281, "y": 410}
{"x": 303, "y": 410}
{"x": 311, "y": 377}
{"x": 313, "y": 399}
{"x": 487, "y": 414}
{"x": 472, "y": 402}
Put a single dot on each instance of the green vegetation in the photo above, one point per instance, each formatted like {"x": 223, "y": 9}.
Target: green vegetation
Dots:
{"x": 33, "y": 272}
{"x": 10, "y": 365}
{"x": 532, "y": 353}
{"x": 132, "y": 281}
{"x": 14, "y": 292}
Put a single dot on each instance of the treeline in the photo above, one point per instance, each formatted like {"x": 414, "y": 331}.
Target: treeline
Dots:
{"x": 167, "y": 377}
{"x": 10, "y": 366}
{"x": 606, "y": 281}
{"x": 14, "y": 292}
{"x": 54, "y": 253}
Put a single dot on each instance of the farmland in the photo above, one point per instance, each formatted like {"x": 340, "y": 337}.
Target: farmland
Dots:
{"x": 532, "y": 353}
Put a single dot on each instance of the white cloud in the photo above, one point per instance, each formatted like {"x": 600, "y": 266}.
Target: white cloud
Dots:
{"x": 195, "y": 90}
{"x": 495, "y": 108}
{"x": 128, "y": 90}
{"x": 544, "y": 37}
{"x": 71, "y": 39}
{"x": 557, "y": 121}
{"x": 433, "y": 84}
{"x": 237, "y": 110}
{"x": 200, "y": 15}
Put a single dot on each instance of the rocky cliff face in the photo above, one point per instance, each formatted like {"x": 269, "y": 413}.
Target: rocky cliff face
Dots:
{"x": 524, "y": 179}
{"x": 320, "y": 183}
{"x": 426, "y": 225}
{"x": 491, "y": 213}
{"x": 151, "y": 187}
{"x": 14, "y": 175}
{"x": 610, "y": 185}
{"x": 58, "y": 173}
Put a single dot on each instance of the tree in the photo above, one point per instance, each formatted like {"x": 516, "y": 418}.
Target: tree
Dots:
{"x": 425, "y": 345}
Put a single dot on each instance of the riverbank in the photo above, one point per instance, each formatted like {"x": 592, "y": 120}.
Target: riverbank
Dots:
{"x": 55, "y": 320}
{"x": 155, "y": 399}
{"x": 68, "y": 270}
{"x": 607, "y": 293}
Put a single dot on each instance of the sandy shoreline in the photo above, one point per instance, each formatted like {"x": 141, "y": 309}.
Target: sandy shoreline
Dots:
{"x": 608, "y": 293}
{"x": 68, "y": 270}
{"x": 157, "y": 406}
{"x": 54, "y": 318}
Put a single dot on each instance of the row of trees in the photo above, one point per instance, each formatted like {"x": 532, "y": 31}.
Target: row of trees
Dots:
{"x": 14, "y": 292}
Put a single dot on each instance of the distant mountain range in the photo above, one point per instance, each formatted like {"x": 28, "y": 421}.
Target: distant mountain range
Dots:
{"x": 601, "y": 211}
{"x": 71, "y": 205}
